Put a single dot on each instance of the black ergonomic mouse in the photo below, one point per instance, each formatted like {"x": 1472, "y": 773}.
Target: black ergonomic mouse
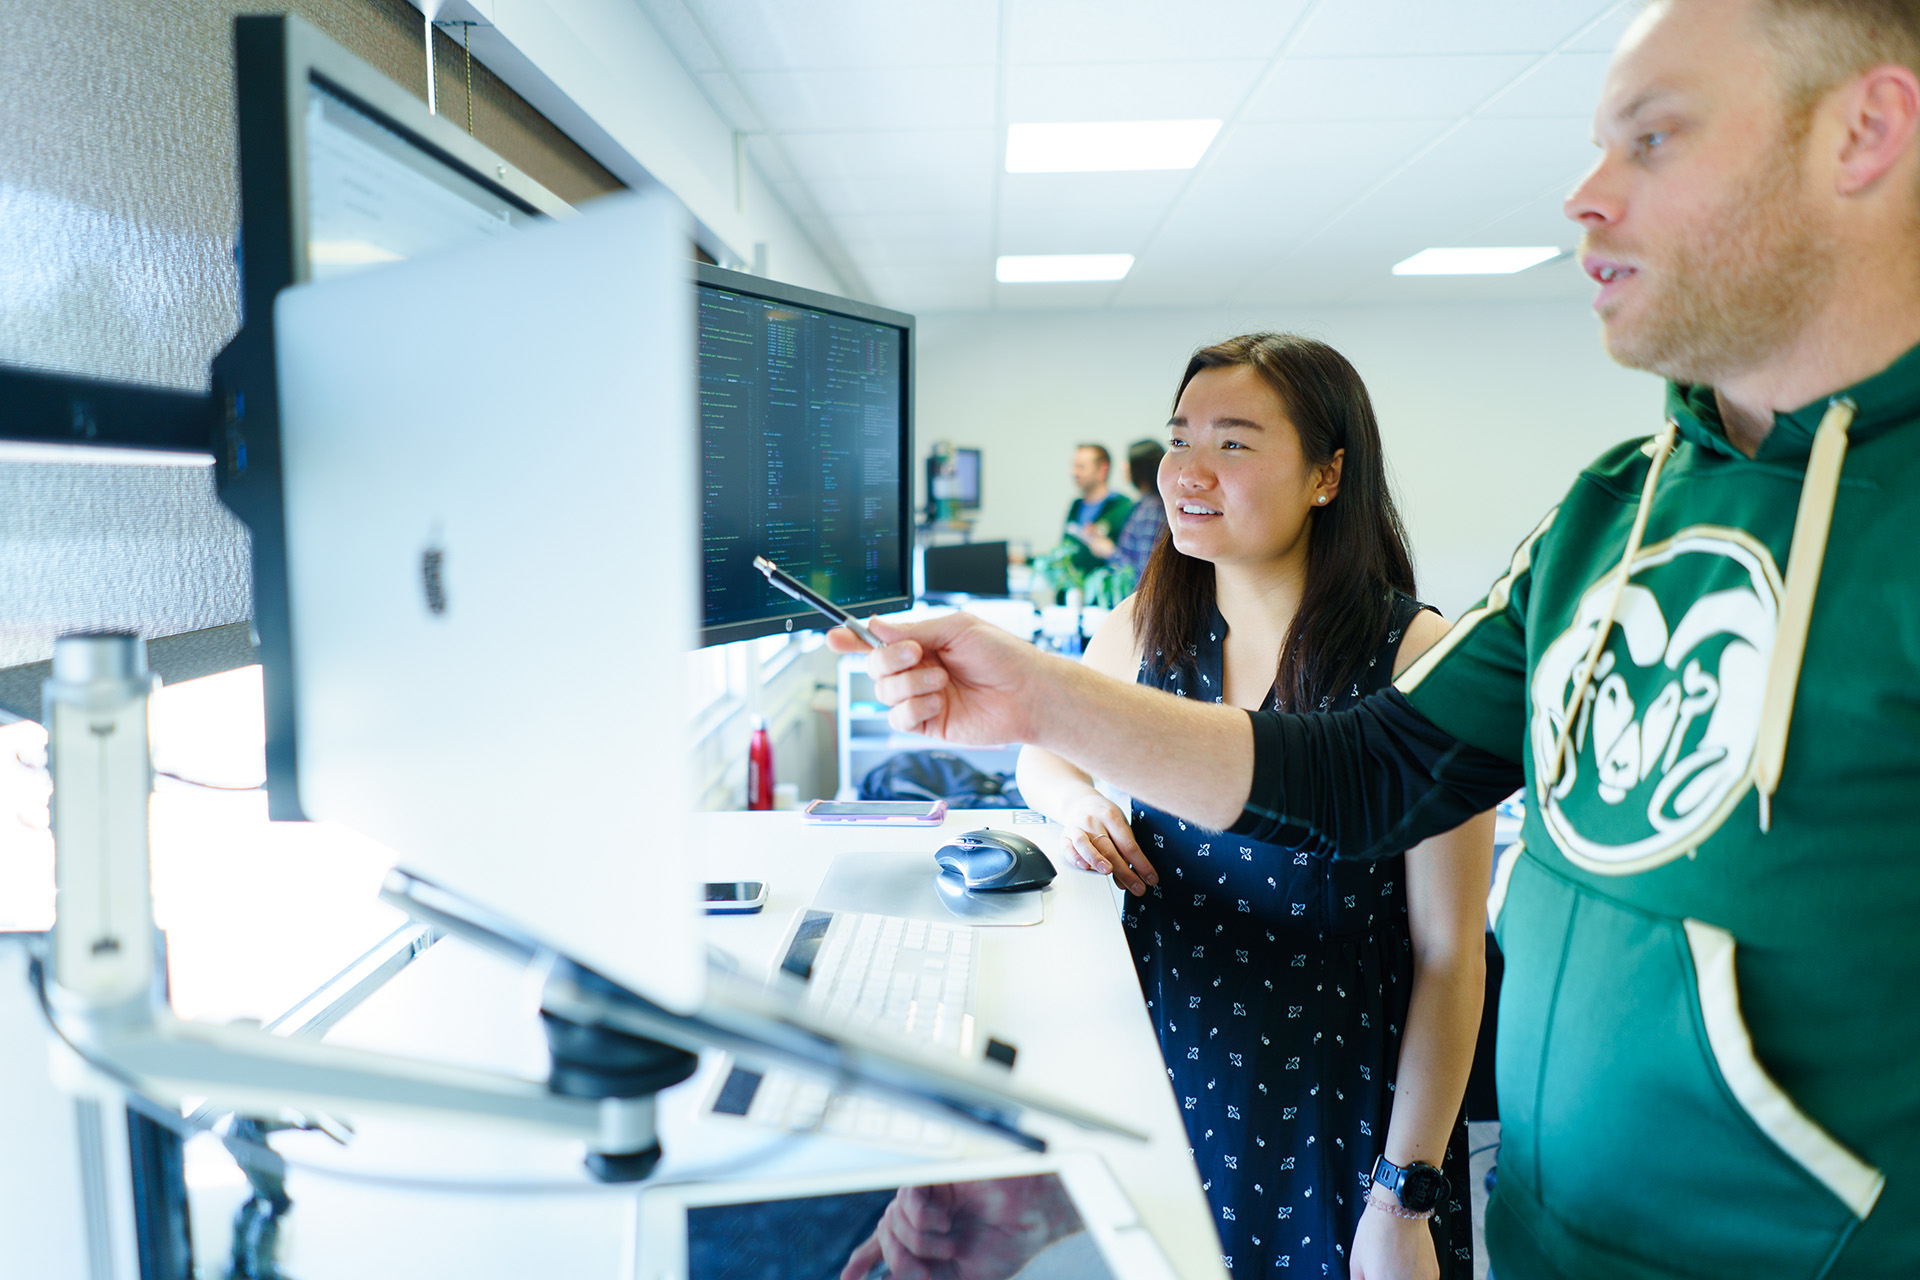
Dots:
{"x": 989, "y": 861}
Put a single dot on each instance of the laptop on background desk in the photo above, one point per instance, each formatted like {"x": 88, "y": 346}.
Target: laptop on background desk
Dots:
{"x": 966, "y": 569}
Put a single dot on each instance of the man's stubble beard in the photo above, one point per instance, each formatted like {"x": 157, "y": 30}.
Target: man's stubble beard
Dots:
{"x": 1741, "y": 286}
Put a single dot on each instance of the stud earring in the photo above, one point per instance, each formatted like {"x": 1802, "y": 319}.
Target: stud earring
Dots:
{"x": 1322, "y": 499}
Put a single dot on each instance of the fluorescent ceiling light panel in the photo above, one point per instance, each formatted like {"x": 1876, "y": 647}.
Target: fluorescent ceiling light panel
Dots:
{"x": 1056, "y": 268}
{"x": 1473, "y": 262}
{"x": 1108, "y": 147}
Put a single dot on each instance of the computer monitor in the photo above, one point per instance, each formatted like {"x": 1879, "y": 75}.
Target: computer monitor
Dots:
{"x": 491, "y": 578}
{"x": 965, "y": 482}
{"x": 340, "y": 170}
{"x": 966, "y": 569}
{"x": 484, "y": 506}
{"x": 806, "y": 426}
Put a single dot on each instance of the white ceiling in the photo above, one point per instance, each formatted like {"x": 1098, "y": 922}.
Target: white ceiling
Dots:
{"x": 1357, "y": 132}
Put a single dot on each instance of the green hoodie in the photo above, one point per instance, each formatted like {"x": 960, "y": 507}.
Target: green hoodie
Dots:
{"x": 1709, "y": 1051}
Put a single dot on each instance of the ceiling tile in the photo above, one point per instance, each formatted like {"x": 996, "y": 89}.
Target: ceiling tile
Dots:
{"x": 1147, "y": 30}
{"x": 1285, "y": 180}
{"x": 903, "y": 155}
{"x": 919, "y": 292}
{"x": 771, "y": 160}
{"x": 1550, "y": 280}
{"x": 1095, "y": 229}
{"x": 795, "y": 195}
{"x": 1192, "y": 271}
{"x": 1207, "y": 290}
{"x": 1537, "y": 221}
{"x": 1479, "y": 171}
{"x": 1384, "y": 88}
{"x": 891, "y": 98}
{"x": 677, "y": 27}
{"x": 1566, "y": 85}
{"x": 1130, "y": 90}
{"x": 915, "y": 232}
{"x": 1391, "y": 125}
{"x": 1066, "y": 193}
{"x": 899, "y": 260}
{"x": 1370, "y": 27}
{"x": 1317, "y": 277}
{"x": 921, "y": 193}
{"x": 1605, "y": 32}
{"x": 1051, "y": 297}
{"x": 1462, "y": 192}
{"x": 723, "y": 91}
{"x": 764, "y": 35}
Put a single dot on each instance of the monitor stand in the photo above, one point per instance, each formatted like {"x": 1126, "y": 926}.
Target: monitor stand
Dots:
{"x": 102, "y": 990}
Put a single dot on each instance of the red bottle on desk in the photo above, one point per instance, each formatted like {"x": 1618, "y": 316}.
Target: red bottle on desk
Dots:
{"x": 760, "y": 766}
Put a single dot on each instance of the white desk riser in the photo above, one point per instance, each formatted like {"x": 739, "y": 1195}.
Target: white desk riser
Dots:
{"x": 1063, "y": 992}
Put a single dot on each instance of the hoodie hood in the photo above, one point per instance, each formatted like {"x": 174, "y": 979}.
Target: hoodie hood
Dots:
{"x": 1888, "y": 399}
{"x": 1815, "y": 438}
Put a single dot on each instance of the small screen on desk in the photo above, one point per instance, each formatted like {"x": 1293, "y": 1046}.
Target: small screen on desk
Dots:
{"x": 1001, "y": 1225}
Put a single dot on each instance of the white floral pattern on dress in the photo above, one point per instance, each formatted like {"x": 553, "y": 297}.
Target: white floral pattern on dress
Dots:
{"x": 1295, "y": 1094}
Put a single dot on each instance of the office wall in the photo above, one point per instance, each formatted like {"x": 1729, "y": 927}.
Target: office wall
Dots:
{"x": 119, "y": 206}
{"x": 118, "y": 217}
{"x": 1487, "y": 410}
{"x": 602, "y": 70}
{"x": 798, "y": 702}
{"x": 118, "y": 183}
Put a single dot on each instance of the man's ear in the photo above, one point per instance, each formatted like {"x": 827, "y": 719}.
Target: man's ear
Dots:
{"x": 1880, "y": 111}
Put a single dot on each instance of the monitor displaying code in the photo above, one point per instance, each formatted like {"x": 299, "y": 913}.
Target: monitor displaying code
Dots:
{"x": 802, "y": 433}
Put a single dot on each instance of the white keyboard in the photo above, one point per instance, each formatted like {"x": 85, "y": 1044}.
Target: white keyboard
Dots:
{"x": 881, "y": 975}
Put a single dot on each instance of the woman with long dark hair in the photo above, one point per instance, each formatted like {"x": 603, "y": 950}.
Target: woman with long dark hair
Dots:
{"x": 1315, "y": 1015}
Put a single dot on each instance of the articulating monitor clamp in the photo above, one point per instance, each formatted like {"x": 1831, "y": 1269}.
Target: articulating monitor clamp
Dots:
{"x": 105, "y": 1002}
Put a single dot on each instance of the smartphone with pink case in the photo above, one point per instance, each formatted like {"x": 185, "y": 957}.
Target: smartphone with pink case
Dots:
{"x": 885, "y": 813}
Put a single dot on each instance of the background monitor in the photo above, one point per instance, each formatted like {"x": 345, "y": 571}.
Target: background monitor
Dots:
{"x": 966, "y": 569}
{"x": 341, "y": 169}
{"x": 806, "y": 426}
{"x": 965, "y": 490}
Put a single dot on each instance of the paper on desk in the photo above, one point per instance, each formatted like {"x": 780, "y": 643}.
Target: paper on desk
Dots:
{"x": 902, "y": 884}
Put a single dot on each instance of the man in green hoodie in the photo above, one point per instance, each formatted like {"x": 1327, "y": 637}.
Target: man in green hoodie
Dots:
{"x": 1704, "y": 667}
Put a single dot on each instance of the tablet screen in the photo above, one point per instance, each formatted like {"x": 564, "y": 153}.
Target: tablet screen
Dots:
{"x": 990, "y": 1226}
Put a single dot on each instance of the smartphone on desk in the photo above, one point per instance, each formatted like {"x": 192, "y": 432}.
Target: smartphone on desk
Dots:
{"x": 922, "y": 813}
{"x": 735, "y": 897}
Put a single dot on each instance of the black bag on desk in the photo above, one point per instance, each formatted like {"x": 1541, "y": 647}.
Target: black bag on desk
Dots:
{"x": 939, "y": 775}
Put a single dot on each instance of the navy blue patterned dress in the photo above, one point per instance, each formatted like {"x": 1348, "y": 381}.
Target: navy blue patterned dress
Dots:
{"x": 1278, "y": 984}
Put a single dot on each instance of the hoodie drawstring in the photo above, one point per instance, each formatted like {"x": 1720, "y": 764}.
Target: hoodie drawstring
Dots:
{"x": 1805, "y": 556}
{"x": 1583, "y": 674}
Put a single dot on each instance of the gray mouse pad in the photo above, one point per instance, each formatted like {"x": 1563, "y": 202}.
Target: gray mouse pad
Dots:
{"x": 903, "y": 884}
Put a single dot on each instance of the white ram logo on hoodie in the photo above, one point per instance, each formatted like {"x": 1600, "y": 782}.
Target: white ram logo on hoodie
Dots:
{"x": 1663, "y": 741}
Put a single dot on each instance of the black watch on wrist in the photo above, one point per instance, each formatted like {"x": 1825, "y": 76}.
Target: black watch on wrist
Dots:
{"x": 1420, "y": 1187}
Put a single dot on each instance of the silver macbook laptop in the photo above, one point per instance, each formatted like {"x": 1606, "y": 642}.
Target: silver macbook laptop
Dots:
{"x": 492, "y": 559}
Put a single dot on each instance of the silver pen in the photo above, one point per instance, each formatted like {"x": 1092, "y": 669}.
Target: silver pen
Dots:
{"x": 793, "y": 587}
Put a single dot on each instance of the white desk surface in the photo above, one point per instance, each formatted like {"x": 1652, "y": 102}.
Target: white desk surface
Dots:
{"x": 1063, "y": 992}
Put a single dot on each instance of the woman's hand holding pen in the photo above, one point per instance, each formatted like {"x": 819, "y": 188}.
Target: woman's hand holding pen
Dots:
{"x": 1099, "y": 838}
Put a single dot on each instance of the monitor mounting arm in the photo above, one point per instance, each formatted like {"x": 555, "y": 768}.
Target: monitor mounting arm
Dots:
{"x": 106, "y": 1002}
